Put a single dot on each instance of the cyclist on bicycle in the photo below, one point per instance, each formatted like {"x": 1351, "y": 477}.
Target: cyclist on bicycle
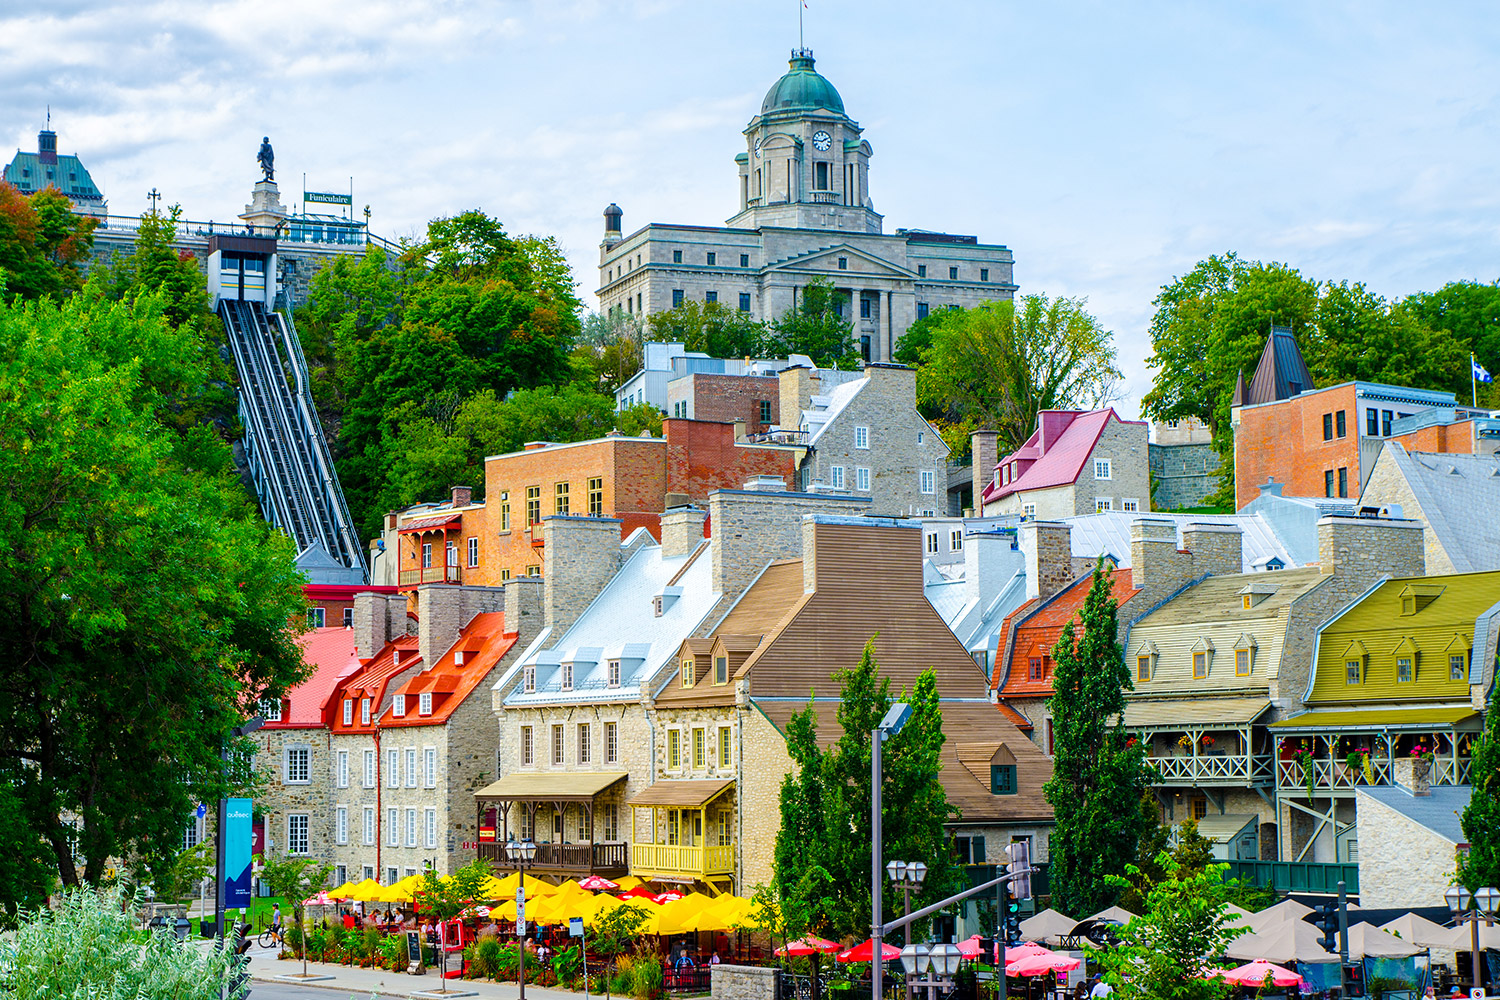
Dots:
{"x": 276, "y": 922}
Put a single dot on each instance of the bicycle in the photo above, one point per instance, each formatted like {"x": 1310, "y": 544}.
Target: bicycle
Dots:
{"x": 271, "y": 938}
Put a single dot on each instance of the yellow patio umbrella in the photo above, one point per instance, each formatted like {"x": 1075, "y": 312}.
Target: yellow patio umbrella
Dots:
{"x": 627, "y": 883}
{"x": 365, "y": 891}
{"x": 341, "y": 891}
{"x": 718, "y": 915}
{"x": 748, "y": 914}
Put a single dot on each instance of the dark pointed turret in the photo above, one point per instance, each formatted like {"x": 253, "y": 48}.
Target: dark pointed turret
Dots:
{"x": 1281, "y": 373}
{"x": 1238, "y": 399}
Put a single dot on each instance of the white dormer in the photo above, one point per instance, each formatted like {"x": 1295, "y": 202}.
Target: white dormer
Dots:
{"x": 663, "y": 601}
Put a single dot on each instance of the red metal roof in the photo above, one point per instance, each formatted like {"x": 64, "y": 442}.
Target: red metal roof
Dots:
{"x": 1036, "y": 633}
{"x": 369, "y": 680}
{"x": 483, "y": 643}
{"x": 330, "y": 652}
{"x": 1055, "y": 454}
{"x": 429, "y": 523}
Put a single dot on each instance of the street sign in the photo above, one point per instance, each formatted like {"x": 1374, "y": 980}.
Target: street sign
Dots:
{"x": 575, "y": 927}
{"x": 327, "y": 197}
{"x": 520, "y": 911}
{"x": 201, "y": 811}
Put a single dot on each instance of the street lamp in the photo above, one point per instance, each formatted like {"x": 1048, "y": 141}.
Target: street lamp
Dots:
{"x": 889, "y": 726}
{"x": 1486, "y": 901}
{"x": 908, "y": 875}
{"x": 521, "y": 852}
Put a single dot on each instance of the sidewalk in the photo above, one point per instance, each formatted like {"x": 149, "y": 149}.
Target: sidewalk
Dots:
{"x": 359, "y": 982}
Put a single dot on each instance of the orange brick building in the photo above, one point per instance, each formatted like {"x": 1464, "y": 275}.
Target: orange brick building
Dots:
{"x": 755, "y": 399}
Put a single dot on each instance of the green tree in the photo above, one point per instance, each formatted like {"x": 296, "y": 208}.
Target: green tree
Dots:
{"x": 716, "y": 329}
{"x": 1001, "y": 363}
{"x": 149, "y": 601}
{"x": 1163, "y": 953}
{"x": 794, "y": 912}
{"x": 177, "y": 877}
{"x": 1361, "y": 336}
{"x": 1481, "y": 817}
{"x": 825, "y": 801}
{"x": 608, "y": 353}
{"x": 42, "y": 243}
{"x": 294, "y": 878}
{"x": 1099, "y": 774}
{"x": 28, "y": 876}
{"x": 446, "y": 898}
{"x": 642, "y": 418}
{"x": 816, "y": 327}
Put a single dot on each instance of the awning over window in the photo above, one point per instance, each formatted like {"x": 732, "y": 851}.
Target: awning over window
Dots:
{"x": 568, "y": 786}
{"x": 681, "y": 794}
{"x": 431, "y": 523}
{"x": 1416, "y": 719}
{"x": 1179, "y": 713}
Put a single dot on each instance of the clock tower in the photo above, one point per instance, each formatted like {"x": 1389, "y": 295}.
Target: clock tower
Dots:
{"x": 805, "y": 165}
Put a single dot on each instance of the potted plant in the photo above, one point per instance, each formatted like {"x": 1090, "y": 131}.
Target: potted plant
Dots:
{"x": 1302, "y": 757}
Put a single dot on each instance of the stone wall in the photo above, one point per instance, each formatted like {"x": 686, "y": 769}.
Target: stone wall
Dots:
{"x": 1124, "y": 444}
{"x": 760, "y": 796}
{"x": 1388, "y": 486}
{"x": 1401, "y": 863}
{"x": 1186, "y": 474}
{"x": 582, "y": 555}
{"x": 751, "y": 528}
{"x": 742, "y": 982}
{"x": 281, "y": 799}
{"x": 1217, "y": 549}
{"x": 1049, "y": 557}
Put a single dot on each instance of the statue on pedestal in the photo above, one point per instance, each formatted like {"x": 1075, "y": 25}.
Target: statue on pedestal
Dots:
{"x": 266, "y": 158}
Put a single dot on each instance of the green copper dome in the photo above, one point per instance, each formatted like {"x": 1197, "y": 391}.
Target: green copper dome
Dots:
{"x": 801, "y": 89}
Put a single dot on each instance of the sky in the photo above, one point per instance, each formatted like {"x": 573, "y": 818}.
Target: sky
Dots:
{"x": 1111, "y": 146}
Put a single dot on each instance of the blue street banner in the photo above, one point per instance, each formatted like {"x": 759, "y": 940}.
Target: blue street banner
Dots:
{"x": 237, "y": 836}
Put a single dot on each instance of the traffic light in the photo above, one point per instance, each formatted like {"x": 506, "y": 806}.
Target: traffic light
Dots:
{"x": 1326, "y": 919}
{"x": 1354, "y": 979}
{"x": 1012, "y": 922}
{"x": 987, "y": 950}
{"x": 1018, "y": 864}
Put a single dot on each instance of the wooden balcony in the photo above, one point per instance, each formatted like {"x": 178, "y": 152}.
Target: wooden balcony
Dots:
{"x": 1246, "y": 770}
{"x": 609, "y": 859}
{"x": 676, "y": 860}
{"x": 431, "y": 574}
{"x": 1335, "y": 777}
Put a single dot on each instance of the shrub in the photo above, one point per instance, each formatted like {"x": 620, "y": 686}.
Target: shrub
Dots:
{"x": 487, "y": 957}
{"x": 646, "y": 978}
{"x": 393, "y": 951}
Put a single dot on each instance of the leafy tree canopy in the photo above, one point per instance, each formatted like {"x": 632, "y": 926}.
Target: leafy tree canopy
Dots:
{"x": 608, "y": 352}
{"x": 1481, "y": 817}
{"x": 716, "y": 329}
{"x": 816, "y": 327}
{"x": 42, "y": 243}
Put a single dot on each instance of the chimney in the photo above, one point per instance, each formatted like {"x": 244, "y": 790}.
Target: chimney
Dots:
{"x": 985, "y": 447}
{"x": 460, "y": 496}
{"x": 1157, "y": 568}
{"x": 524, "y": 609}
{"x": 1359, "y": 550}
{"x": 681, "y": 531}
{"x": 1215, "y": 548}
{"x": 580, "y": 556}
{"x": 798, "y": 385}
{"x": 46, "y": 147}
{"x": 750, "y": 529}
{"x": 828, "y": 538}
{"x": 1048, "y": 548}
{"x": 990, "y": 558}
{"x": 766, "y": 484}
{"x": 378, "y": 618}
{"x": 443, "y": 609}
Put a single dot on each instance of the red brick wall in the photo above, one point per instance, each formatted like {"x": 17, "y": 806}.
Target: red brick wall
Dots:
{"x": 1455, "y": 439}
{"x": 1284, "y": 441}
{"x": 727, "y": 398}
{"x": 703, "y": 457}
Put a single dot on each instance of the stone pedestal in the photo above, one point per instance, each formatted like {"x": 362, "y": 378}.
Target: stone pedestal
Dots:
{"x": 1413, "y": 774}
{"x": 265, "y": 212}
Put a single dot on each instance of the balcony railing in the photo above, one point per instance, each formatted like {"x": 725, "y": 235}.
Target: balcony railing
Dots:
{"x": 431, "y": 574}
{"x": 1235, "y": 769}
{"x": 778, "y": 437}
{"x": 606, "y": 858}
{"x": 679, "y": 859}
{"x": 825, "y": 197}
{"x": 1336, "y": 775}
{"x": 1297, "y": 876}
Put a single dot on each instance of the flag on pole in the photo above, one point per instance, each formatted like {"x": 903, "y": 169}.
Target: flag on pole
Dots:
{"x": 1480, "y": 375}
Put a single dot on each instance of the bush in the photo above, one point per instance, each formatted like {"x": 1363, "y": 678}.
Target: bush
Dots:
{"x": 393, "y": 951}
{"x": 646, "y": 978}
{"x": 567, "y": 965}
{"x": 487, "y": 957}
{"x": 622, "y": 980}
{"x": 369, "y": 943}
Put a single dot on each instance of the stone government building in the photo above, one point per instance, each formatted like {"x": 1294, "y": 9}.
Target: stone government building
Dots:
{"x": 804, "y": 213}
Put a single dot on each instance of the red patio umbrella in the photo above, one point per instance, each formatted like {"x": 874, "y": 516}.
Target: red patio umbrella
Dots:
{"x": 970, "y": 948}
{"x": 862, "y": 952}
{"x": 596, "y": 884}
{"x": 670, "y": 896}
{"x": 1254, "y": 974}
{"x": 639, "y": 892}
{"x": 809, "y": 945}
{"x": 1040, "y": 965}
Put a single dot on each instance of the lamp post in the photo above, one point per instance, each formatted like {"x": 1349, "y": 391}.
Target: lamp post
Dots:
{"x": 909, "y": 875}
{"x": 1485, "y": 901}
{"x": 521, "y": 852}
{"x": 889, "y": 726}
{"x": 248, "y": 726}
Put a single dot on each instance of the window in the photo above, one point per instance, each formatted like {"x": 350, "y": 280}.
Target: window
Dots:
{"x": 411, "y": 767}
{"x": 596, "y": 496}
{"x": 864, "y": 307}
{"x": 1385, "y": 423}
{"x": 1242, "y": 663}
{"x": 341, "y": 769}
{"x": 398, "y": 706}
{"x": 862, "y": 480}
{"x": 534, "y": 570}
{"x": 585, "y": 746}
{"x": 505, "y": 510}
{"x": 611, "y": 816}
{"x": 315, "y": 617}
{"x": 393, "y": 831}
{"x": 614, "y": 673}
{"x": 677, "y": 297}
{"x": 567, "y": 677}
{"x": 1130, "y": 506}
{"x": 677, "y": 256}
{"x": 721, "y": 670}
{"x": 1101, "y": 504}
{"x": 1102, "y": 468}
{"x": 369, "y": 838}
{"x": 393, "y": 769}
{"x": 1035, "y": 669}
{"x": 744, "y": 302}
{"x": 1328, "y": 427}
{"x": 473, "y": 551}
{"x": 744, "y": 260}
{"x": 427, "y": 555}
{"x": 1343, "y": 482}
{"x": 533, "y": 505}
{"x": 1200, "y": 666}
{"x": 1338, "y": 422}
{"x": 429, "y": 767}
{"x": 700, "y": 759}
{"x": 341, "y": 825}
{"x": 713, "y": 258}
{"x": 411, "y": 828}
{"x": 1403, "y": 669}
{"x": 952, "y": 274}
{"x": 611, "y": 743}
{"x": 820, "y": 183}
{"x": 431, "y": 826}
{"x": 927, "y": 481}
{"x": 526, "y": 757}
{"x": 348, "y": 618}
{"x": 560, "y": 498}
{"x": 558, "y": 750}
{"x": 1143, "y": 668}
{"x": 725, "y": 749}
{"x": 296, "y": 833}
{"x": 1028, "y": 510}
{"x": 450, "y": 554}
{"x": 348, "y": 711}
{"x": 1002, "y": 779}
{"x": 711, "y": 296}
{"x": 298, "y": 765}
{"x": 921, "y": 310}
{"x": 369, "y": 781}
{"x": 862, "y": 437}
{"x": 1328, "y": 483}
{"x": 364, "y": 711}
{"x": 1372, "y": 423}
{"x": 1456, "y": 667}
{"x": 765, "y": 411}
{"x": 674, "y": 749}
{"x": 984, "y": 274}
{"x": 528, "y": 678}
{"x": 504, "y": 575}
{"x": 269, "y": 709}
{"x": 921, "y": 273}
{"x": 932, "y": 545}
{"x": 836, "y": 476}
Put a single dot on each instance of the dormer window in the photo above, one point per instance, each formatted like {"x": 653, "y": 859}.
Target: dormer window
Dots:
{"x": 614, "y": 673}
{"x": 567, "y": 677}
{"x": 364, "y": 711}
{"x": 1145, "y": 661}
{"x": 1403, "y": 669}
{"x": 1407, "y": 657}
{"x": 721, "y": 670}
{"x": 1353, "y": 672}
{"x": 1458, "y": 667}
{"x": 348, "y": 711}
{"x": 1416, "y": 596}
{"x": 528, "y": 678}
{"x": 398, "y": 706}
{"x": 1035, "y": 669}
{"x": 1003, "y": 772}
{"x": 424, "y": 703}
{"x": 1244, "y": 655}
{"x": 687, "y": 673}
{"x": 1203, "y": 658}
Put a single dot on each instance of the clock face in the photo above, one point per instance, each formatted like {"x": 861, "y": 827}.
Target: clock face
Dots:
{"x": 821, "y": 141}
{"x": 757, "y": 146}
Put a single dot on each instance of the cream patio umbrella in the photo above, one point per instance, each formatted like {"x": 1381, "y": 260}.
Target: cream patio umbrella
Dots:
{"x": 1049, "y": 925}
{"x": 1420, "y": 931}
{"x": 1368, "y": 941}
{"x": 1283, "y": 943}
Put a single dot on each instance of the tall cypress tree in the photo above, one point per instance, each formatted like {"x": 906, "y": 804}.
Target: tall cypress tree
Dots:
{"x": 1481, "y": 817}
{"x": 1097, "y": 781}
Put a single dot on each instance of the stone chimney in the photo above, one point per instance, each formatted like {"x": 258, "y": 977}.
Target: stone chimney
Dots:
{"x": 985, "y": 447}
{"x": 378, "y": 618}
{"x": 1157, "y": 568}
{"x": 524, "y": 608}
{"x": 798, "y": 386}
{"x": 1048, "y": 548}
{"x": 580, "y": 556}
{"x": 1359, "y": 550}
{"x": 443, "y": 609}
{"x": 750, "y": 529}
{"x": 462, "y": 496}
{"x": 681, "y": 531}
{"x": 990, "y": 558}
{"x": 1215, "y": 548}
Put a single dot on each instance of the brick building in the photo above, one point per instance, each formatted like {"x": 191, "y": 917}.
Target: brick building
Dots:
{"x": 754, "y": 400}
{"x": 1075, "y": 462}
